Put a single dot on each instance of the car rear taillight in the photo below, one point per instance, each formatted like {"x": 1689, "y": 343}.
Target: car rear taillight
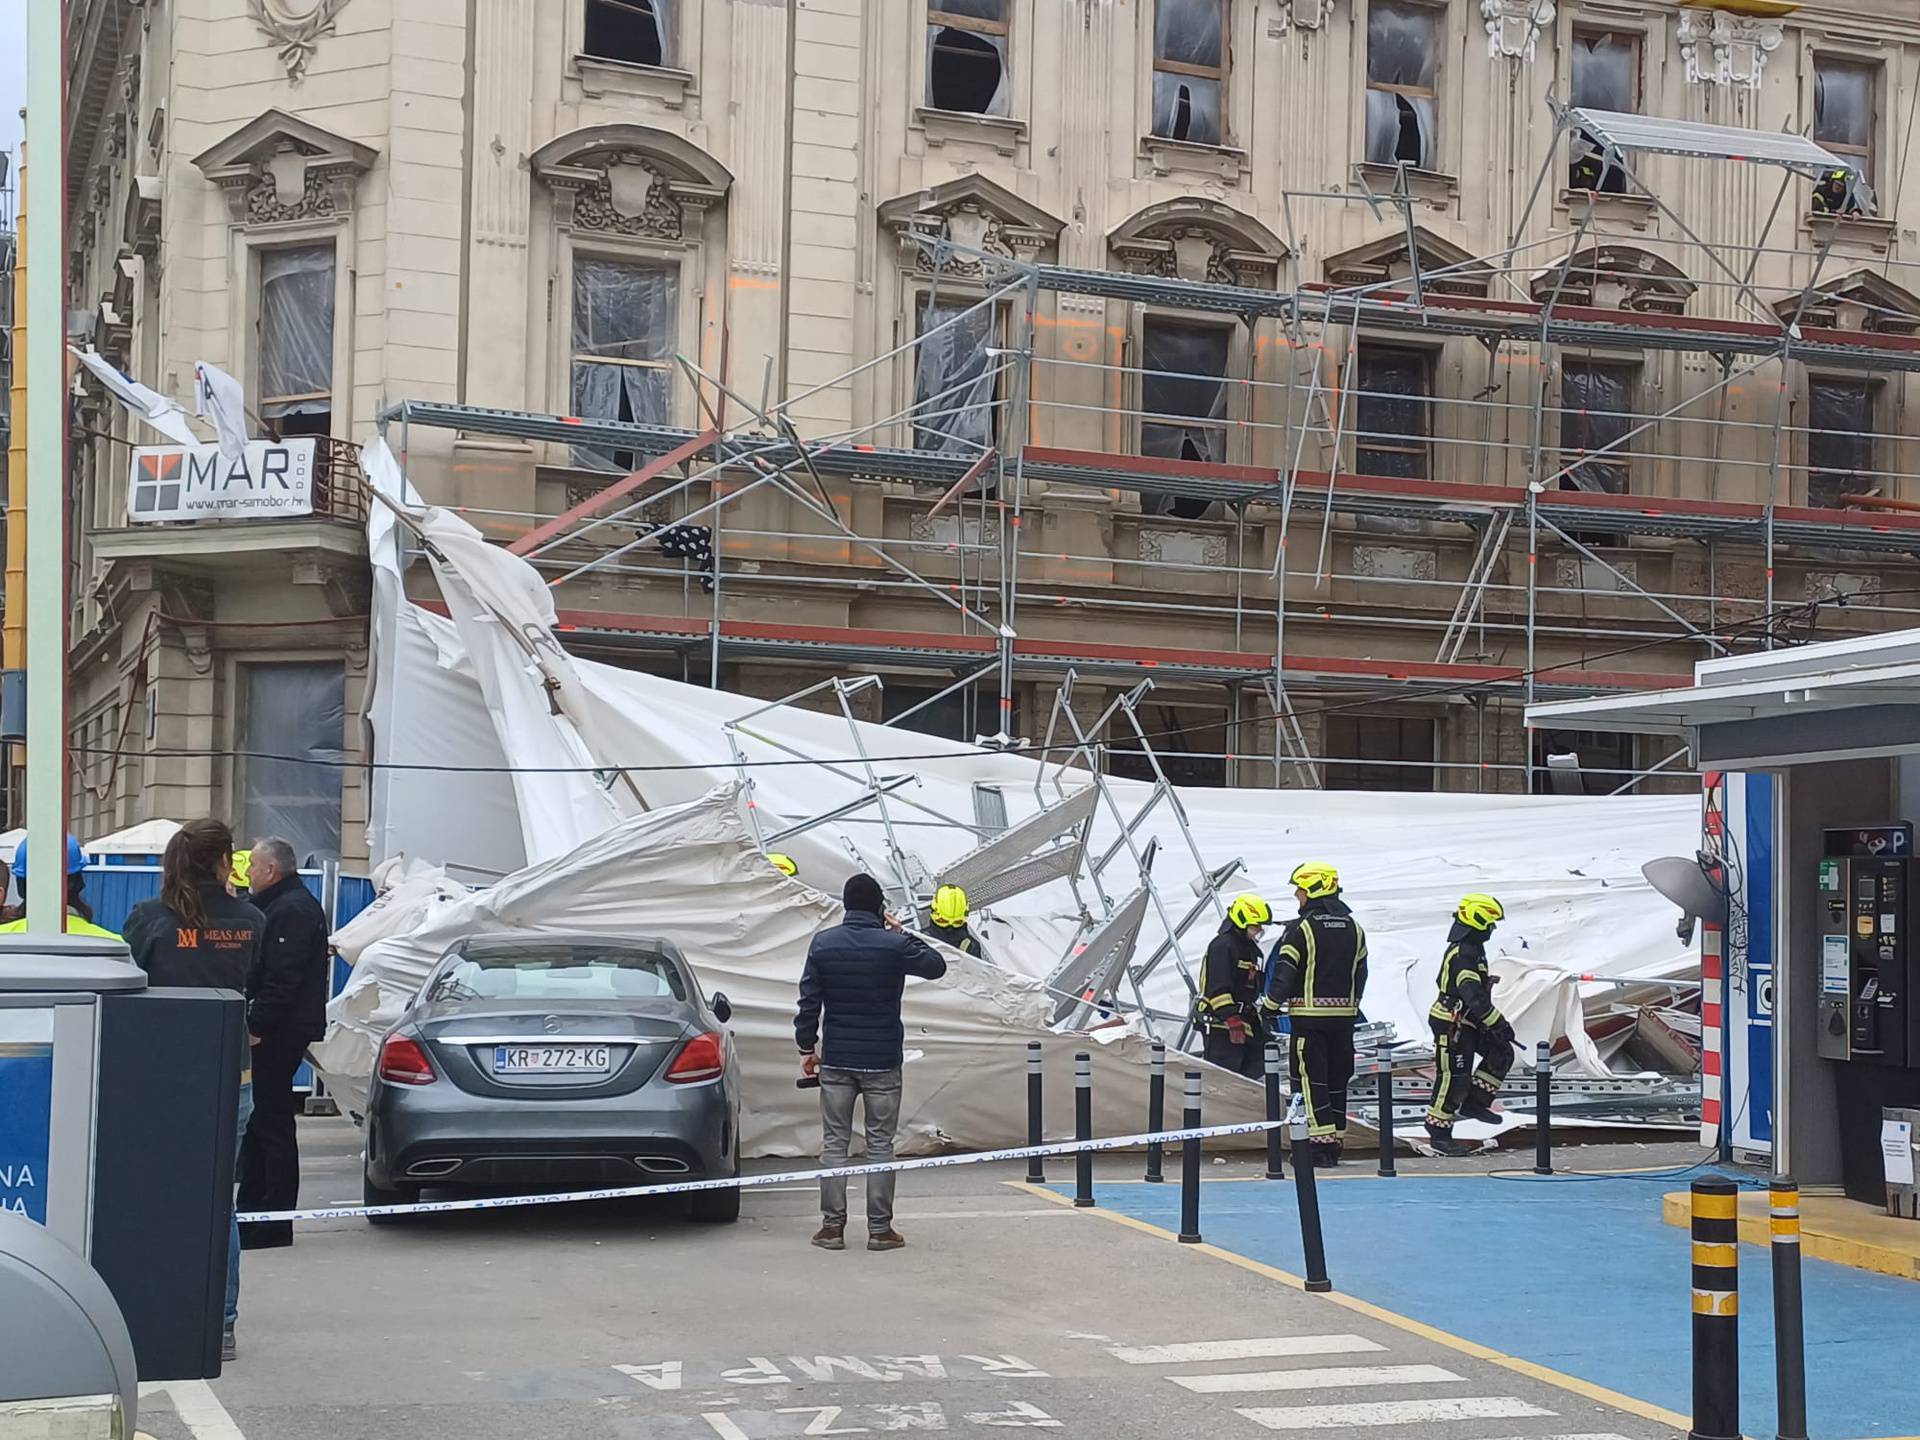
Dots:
{"x": 403, "y": 1061}
{"x": 702, "y": 1058}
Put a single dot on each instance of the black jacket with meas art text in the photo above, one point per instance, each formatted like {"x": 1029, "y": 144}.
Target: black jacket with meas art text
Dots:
{"x": 287, "y": 994}
{"x": 856, "y": 971}
{"x": 218, "y": 954}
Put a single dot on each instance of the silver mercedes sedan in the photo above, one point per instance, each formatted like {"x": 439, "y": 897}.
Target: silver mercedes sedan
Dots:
{"x": 556, "y": 1062}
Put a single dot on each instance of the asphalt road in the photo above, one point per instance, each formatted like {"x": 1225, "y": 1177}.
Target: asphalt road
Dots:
{"x": 1007, "y": 1310}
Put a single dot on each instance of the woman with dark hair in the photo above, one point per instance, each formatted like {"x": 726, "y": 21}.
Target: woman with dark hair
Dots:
{"x": 198, "y": 934}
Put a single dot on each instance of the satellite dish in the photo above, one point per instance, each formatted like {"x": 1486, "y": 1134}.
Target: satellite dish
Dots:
{"x": 1684, "y": 881}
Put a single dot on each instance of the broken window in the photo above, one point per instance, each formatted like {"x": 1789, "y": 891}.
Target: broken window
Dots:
{"x": 1839, "y": 441}
{"x": 953, "y": 385}
{"x": 294, "y": 735}
{"x": 1403, "y": 48}
{"x": 625, "y": 327}
{"x": 1183, "y": 392}
{"x": 1606, "y": 76}
{"x": 1189, "y": 70}
{"x": 967, "y": 56}
{"x": 636, "y": 32}
{"x": 1378, "y": 752}
{"x": 1391, "y": 409}
{"x": 1843, "y": 124}
{"x": 296, "y": 339}
{"x": 1583, "y": 762}
{"x": 1596, "y": 411}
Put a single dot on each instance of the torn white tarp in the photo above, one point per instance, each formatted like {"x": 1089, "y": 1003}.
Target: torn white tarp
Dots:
{"x": 148, "y": 405}
{"x": 691, "y": 874}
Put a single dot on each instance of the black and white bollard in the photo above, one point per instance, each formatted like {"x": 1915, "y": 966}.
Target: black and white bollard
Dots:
{"x": 1276, "y": 1166}
{"x": 1543, "y": 1109}
{"x": 1383, "y": 1072}
{"x": 1157, "y": 1112}
{"x": 1036, "y": 1132}
{"x": 1789, "y": 1323}
{"x": 1312, "y": 1246}
{"x": 1083, "y": 1129}
{"x": 1716, "y": 1311}
{"x": 1190, "y": 1165}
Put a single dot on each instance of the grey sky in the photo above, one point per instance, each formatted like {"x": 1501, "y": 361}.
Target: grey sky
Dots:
{"x": 13, "y": 70}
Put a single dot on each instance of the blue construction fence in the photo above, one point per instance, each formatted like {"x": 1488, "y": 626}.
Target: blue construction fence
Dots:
{"x": 115, "y": 886}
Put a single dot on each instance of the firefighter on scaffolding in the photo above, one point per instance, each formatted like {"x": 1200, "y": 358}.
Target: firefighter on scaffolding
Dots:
{"x": 1317, "y": 975}
{"x": 1472, "y": 1040}
{"x": 1230, "y": 990}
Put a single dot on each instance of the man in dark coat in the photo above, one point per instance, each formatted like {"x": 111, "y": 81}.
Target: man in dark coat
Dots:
{"x": 286, "y": 1011}
{"x": 856, "y": 972}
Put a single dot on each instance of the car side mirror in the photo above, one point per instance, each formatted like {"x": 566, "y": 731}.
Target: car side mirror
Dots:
{"x": 722, "y": 1008}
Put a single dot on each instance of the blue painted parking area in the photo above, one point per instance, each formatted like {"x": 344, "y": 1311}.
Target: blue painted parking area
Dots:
{"x": 1576, "y": 1274}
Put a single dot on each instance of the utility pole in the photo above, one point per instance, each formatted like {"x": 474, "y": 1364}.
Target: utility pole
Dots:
{"x": 45, "y": 361}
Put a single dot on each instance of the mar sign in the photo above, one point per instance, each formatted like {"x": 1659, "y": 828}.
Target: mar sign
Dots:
{"x": 272, "y": 480}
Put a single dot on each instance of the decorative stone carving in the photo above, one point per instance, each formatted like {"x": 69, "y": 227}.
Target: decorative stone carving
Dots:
{"x": 1616, "y": 277}
{"x": 942, "y": 532}
{"x": 1395, "y": 562}
{"x": 1182, "y": 547}
{"x": 1576, "y": 572}
{"x": 631, "y": 180}
{"x": 279, "y": 169}
{"x": 1722, "y": 49}
{"x": 1445, "y": 268}
{"x": 977, "y": 218}
{"x": 140, "y": 230}
{"x": 295, "y": 28}
{"x": 1203, "y": 240}
{"x": 1514, "y": 26}
{"x": 1305, "y": 14}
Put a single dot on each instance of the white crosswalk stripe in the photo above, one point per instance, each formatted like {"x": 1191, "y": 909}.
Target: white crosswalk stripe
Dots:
{"x": 1393, "y": 1412}
{"x": 1270, "y": 1347}
{"x": 1333, "y": 1377}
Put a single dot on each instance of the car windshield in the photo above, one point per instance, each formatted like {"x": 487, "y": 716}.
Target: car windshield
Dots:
{"x": 559, "y": 972}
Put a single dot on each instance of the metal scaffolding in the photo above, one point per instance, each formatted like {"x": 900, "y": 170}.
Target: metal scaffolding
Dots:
{"x": 991, "y": 576}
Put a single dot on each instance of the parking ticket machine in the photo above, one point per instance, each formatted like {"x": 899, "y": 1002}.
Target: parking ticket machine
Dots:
{"x": 1867, "y": 1011}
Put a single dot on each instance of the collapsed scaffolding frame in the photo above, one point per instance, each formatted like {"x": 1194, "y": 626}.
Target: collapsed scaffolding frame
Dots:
{"x": 993, "y": 480}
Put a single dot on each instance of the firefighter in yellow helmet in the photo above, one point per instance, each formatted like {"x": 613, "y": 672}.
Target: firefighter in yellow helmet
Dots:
{"x": 1316, "y": 975}
{"x": 1836, "y": 194}
{"x": 784, "y": 864}
{"x": 1472, "y": 1040}
{"x": 949, "y": 917}
{"x": 1230, "y": 989}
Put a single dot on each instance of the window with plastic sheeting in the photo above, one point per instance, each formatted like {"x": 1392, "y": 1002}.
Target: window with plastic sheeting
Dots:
{"x": 955, "y": 377}
{"x": 1392, "y": 409}
{"x": 1183, "y": 392}
{"x": 1596, "y": 411}
{"x": 296, "y": 339}
{"x": 1606, "y": 76}
{"x": 626, "y": 322}
{"x": 1190, "y": 70}
{"x": 967, "y": 56}
{"x": 635, "y": 32}
{"x": 293, "y": 754}
{"x": 1378, "y": 752}
{"x": 1843, "y": 115}
{"x": 1403, "y": 51}
{"x": 1839, "y": 440}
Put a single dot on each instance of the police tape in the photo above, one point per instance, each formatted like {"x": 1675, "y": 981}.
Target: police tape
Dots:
{"x": 750, "y": 1182}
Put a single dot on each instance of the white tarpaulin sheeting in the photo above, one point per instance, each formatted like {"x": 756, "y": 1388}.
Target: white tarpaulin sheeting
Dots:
{"x": 623, "y": 744}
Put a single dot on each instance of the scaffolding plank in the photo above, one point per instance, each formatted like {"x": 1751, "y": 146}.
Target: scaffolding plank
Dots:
{"x": 1663, "y": 135}
{"x": 972, "y": 870}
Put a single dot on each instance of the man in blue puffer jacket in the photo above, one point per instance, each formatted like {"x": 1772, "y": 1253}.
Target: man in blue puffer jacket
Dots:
{"x": 857, "y": 971}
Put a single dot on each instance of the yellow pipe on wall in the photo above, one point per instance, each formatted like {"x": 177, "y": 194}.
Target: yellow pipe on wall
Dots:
{"x": 13, "y": 637}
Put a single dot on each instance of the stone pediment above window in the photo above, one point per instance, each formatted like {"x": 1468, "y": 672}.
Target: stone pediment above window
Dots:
{"x": 280, "y": 169}
{"x": 1861, "y": 301}
{"x": 631, "y": 180}
{"x": 1204, "y": 240}
{"x": 977, "y": 218}
{"x": 1615, "y": 277}
{"x": 1445, "y": 269}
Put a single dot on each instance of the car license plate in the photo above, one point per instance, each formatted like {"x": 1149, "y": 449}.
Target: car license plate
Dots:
{"x": 551, "y": 1059}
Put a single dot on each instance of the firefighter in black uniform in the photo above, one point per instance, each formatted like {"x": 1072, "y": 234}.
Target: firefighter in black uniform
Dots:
{"x": 1472, "y": 1040}
{"x": 1230, "y": 990}
{"x": 949, "y": 914}
{"x": 1317, "y": 974}
{"x": 1835, "y": 194}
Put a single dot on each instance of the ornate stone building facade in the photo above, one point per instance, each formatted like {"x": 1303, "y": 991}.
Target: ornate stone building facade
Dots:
{"x": 543, "y": 207}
